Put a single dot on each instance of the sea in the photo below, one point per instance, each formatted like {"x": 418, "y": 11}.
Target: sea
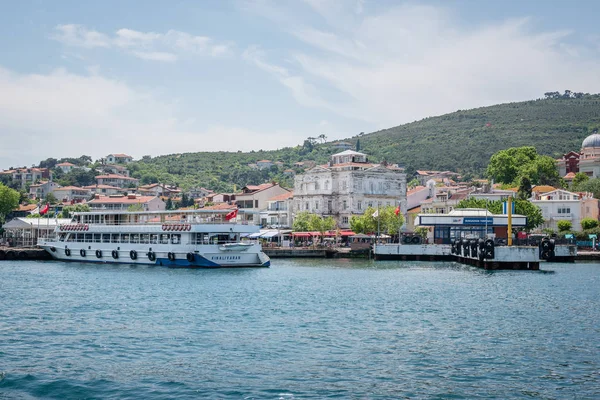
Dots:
{"x": 302, "y": 329}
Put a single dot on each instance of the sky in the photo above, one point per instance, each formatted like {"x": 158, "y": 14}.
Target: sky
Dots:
{"x": 163, "y": 77}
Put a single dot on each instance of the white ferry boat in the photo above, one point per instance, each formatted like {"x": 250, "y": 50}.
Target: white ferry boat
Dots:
{"x": 188, "y": 239}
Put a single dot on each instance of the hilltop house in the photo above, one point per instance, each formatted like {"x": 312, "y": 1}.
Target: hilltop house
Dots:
{"x": 66, "y": 167}
{"x": 347, "y": 186}
{"x": 158, "y": 189}
{"x": 28, "y": 176}
{"x": 118, "y": 159}
{"x": 104, "y": 189}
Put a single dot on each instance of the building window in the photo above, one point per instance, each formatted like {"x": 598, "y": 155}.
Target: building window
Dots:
{"x": 370, "y": 204}
{"x": 344, "y": 220}
{"x": 329, "y": 206}
{"x": 316, "y": 185}
{"x": 344, "y": 185}
{"x": 344, "y": 205}
{"x": 316, "y": 205}
{"x": 326, "y": 185}
{"x": 359, "y": 205}
{"x": 564, "y": 210}
{"x": 307, "y": 205}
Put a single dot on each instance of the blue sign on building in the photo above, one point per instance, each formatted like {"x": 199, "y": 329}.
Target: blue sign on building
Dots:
{"x": 478, "y": 220}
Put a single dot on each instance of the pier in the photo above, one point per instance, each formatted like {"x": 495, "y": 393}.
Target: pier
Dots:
{"x": 16, "y": 253}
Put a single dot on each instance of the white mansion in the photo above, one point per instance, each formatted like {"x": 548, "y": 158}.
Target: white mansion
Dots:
{"x": 347, "y": 186}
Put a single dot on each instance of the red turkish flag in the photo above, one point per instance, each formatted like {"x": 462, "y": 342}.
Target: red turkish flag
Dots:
{"x": 397, "y": 211}
{"x": 44, "y": 209}
{"x": 231, "y": 215}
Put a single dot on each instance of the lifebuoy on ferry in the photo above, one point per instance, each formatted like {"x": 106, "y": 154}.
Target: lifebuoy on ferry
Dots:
{"x": 151, "y": 256}
{"x": 164, "y": 227}
{"x": 133, "y": 254}
{"x": 179, "y": 227}
{"x": 115, "y": 254}
{"x": 190, "y": 257}
{"x": 189, "y": 227}
{"x": 68, "y": 252}
{"x": 82, "y": 252}
{"x": 98, "y": 253}
{"x": 86, "y": 227}
{"x": 171, "y": 256}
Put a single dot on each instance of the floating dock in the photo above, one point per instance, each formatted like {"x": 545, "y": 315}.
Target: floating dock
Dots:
{"x": 15, "y": 253}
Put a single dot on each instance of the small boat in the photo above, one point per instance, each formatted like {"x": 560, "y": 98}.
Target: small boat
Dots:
{"x": 184, "y": 239}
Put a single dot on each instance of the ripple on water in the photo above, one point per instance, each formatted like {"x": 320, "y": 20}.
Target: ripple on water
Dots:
{"x": 301, "y": 329}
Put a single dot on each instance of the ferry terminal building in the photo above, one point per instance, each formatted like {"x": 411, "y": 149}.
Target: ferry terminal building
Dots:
{"x": 468, "y": 223}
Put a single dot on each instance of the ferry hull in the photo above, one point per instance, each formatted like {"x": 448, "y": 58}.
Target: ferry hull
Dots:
{"x": 190, "y": 258}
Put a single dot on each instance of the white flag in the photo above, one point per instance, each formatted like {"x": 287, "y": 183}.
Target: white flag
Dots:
{"x": 376, "y": 214}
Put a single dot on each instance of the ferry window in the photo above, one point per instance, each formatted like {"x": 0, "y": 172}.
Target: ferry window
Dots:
{"x": 62, "y": 237}
{"x": 106, "y": 238}
{"x": 175, "y": 239}
{"x": 164, "y": 238}
{"x": 80, "y": 237}
{"x": 115, "y": 238}
{"x": 88, "y": 237}
{"x": 153, "y": 238}
{"x": 70, "y": 237}
{"x": 97, "y": 237}
{"x": 125, "y": 238}
{"x": 145, "y": 238}
{"x": 135, "y": 238}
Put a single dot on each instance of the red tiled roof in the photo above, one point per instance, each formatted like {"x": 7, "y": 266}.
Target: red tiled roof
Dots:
{"x": 283, "y": 196}
{"x": 543, "y": 189}
{"x": 101, "y": 187}
{"x": 65, "y": 164}
{"x": 27, "y": 207}
{"x": 120, "y": 155}
{"x": 570, "y": 175}
{"x": 415, "y": 190}
{"x": 122, "y": 200}
{"x": 115, "y": 176}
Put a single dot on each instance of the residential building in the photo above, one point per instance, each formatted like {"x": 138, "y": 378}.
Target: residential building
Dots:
{"x": 254, "y": 198}
{"x": 444, "y": 202}
{"x": 118, "y": 159}
{"x": 198, "y": 193}
{"x": 114, "y": 169}
{"x": 278, "y": 213}
{"x": 66, "y": 167}
{"x": 104, "y": 189}
{"x": 72, "y": 193}
{"x": 116, "y": 180}
{"x": 159, "y": 189}
{"x": 560, "y": 204}
{"x": 40, "y": 190}
{"x": 445, "y": 177}
{"x": 123, "y": 202}
{"x": 28, "y": 176}
{"x": 264, "y": 164}
{"x": 347, "y": 186}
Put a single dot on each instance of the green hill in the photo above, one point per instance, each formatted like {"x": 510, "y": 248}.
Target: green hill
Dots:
{"x": 462, "y": 141}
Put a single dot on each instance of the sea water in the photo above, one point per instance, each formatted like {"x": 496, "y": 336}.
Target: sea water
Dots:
{"x": 300, "y": 329}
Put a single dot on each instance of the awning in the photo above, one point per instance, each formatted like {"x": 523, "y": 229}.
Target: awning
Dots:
{"x": 301, "y": 234}
{"x": 269, "y": 234}
{"x": 347, "y": 233}
{"x": 244, "y": 235}
{"x": 255, "y": 235}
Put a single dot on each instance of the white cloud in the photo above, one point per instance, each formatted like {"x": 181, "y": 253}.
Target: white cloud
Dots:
{"x": 166, "y": 47}
{"x": 62, "y": 114}
{"x": 79, "y": 36}
{"x": 413, "y": 61}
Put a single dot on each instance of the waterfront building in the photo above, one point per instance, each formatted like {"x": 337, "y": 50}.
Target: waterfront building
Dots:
{"x": 347, "y": 185}
{"x": 254, "y": 198}
{"x": 444, "y": 200}
{"x": 277, "y": 213}
{"x": 123, "y": 202}
{"x": 158, "y": 189}
{"x": 560, "y": 204}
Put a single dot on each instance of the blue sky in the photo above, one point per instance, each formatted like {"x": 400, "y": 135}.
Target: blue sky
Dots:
{"x": 159, "y": 77}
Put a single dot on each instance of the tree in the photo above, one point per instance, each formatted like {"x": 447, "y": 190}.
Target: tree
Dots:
{"x": 564, "y": 225}
{"x": 320, "y": 224}
{"x": 591, "y": 185}
{"x": 301, "y": 222}
{"x": 9, "y": 200}
{"x": 589, "y": 223}
{"x": 511, "y": 165}
{"x": 357, "y": 144}
{"x": 135, "y": 207}
{"x": 579, "y": 178}
{"x": 383, "y": 220}
{"x": 413, "y": 183}
{"x": 50, "y": 198}
{"x": 169, "y": 204}
{"x": 524, "y": 192}
{"x": 67, "y": 211}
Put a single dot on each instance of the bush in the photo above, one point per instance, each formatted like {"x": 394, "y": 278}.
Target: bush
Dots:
{"x": 589, "y": 223}
{"x": 564, "y": 225}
